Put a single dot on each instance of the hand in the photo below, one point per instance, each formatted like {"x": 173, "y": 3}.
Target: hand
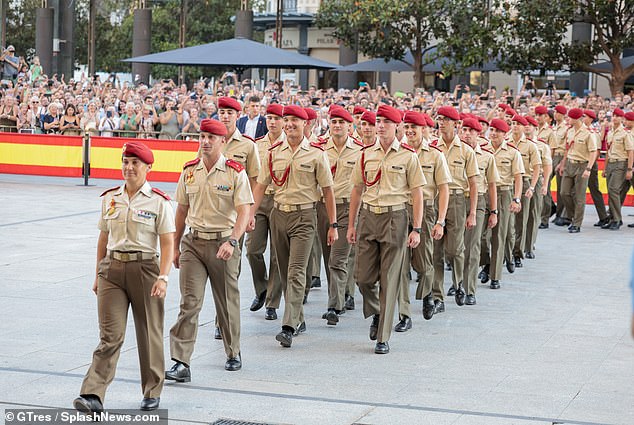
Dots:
{"x": 225, "y": 251}
{"x": 603, "y": 174}
{"x": 159, "y": 289}
{"x": 544, "y": 190}
{"x": 251, "y": 224}
{"x": 493, "y": 221}
{"x": 413, "y": 240}
{"x": 529, "y": 193}
{"x": 628, "y": 174}
{"x": 560, "y": 170}
{"x": 471, "y": 221}
{"x": 333, "y": 235}
{"x": 585, "y": 174}
{"x": 351, "y": 235}
{"x": 177, "y": 258}
{"x": 437, "y": 232}
{"x": 515, "y": 207}
{"x": 95, "y": 286}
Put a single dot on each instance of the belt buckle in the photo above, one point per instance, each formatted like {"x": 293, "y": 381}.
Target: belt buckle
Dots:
{"x": 124, "y": 256}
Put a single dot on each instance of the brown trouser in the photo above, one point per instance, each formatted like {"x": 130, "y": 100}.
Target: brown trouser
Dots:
{"x": 197, "y": 263}
{"x": 121, "y": 285}
{"x": 534, "y": 214}
{"x": 336, "y": 257}
{"x": 292, "y": 235}
{"x": 381, "y": 248}
{"x": 472, "y": 243}
{"x": 548, "y": 199}
{"x": 451, "y": 245}
{"x": 615, "y": 176}
{"x": 595, "y": 192}
{"x": 499, "y": 232}
{"x": 573, "y": 190}
{"x": 521, "y": 221}
{"x": 420, "y": 259}
{"x": 314, "y": 263}
{"x": 256, "y": 245}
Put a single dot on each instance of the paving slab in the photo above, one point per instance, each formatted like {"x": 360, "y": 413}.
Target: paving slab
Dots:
{"x": 551, "y": 346}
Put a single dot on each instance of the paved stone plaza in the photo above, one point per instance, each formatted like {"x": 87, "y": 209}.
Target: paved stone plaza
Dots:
{"x": 551, "y": 346}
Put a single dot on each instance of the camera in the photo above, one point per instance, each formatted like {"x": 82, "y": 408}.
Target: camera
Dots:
{"x": 174, "y": 108}
{"x": 109, "y": 114}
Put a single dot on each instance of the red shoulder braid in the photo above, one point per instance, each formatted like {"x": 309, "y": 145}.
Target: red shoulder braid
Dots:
{"x": 357, "y": 141}
{"x": 317, "y": 145}
{"x": 192, "y": 162}
{"x": 248, "y": 138}
{"x": 163, "y": 194}
{"x": 259, "y": 138}
{"x": 235, "y": 165}
{"x": 435, "y": 147}
{"x": 486, "y": 150}
{"x": 434, "y": 143}
{"x": 109, "y": 190}
{"x": 273, "y": 146}
{"x": 512, "y": 145}
{"x": 408, "y": 147}
{"x": 322, "y": 140}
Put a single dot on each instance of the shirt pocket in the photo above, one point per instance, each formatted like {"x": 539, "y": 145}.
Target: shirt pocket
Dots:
{"x": 306, "y": 167}
{"x": 240, "y": 157}
{"x": 148, "y": 220}
{"x": 371, "y": 170}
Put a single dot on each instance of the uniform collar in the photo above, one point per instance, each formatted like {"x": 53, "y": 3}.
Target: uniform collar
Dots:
{"x": 219, "y": 165}
{"x": 396, "y": 145}
{"x": 145, "y": 189}
{"x": 236, "y": 135}
{"x": 330, "y": 144}
{"x": 280, "y": 138}
{"x": 304, "y": 144}
{"x": 454, "y": 142}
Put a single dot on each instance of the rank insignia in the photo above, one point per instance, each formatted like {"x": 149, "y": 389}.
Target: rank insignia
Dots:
{"x": 111, "y": 208}
{"x": 223, "y": 187}
{"x": 189, "y": 178}
{"x": 145, "y": 214}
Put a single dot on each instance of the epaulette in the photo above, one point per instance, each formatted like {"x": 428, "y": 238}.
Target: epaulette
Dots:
{"x": 317, "y": 145}
{"x": 235, "y": 165}
{"x": 512, "y": 145}
{"x": 248, "y": 138}
{"x": 109, "y": 190}
{"x": 408, "y": 147}
{"x": 357, "y": 141}
{"x": 435, "y": 147}
{"x": 541, "y": 140}
{"x": 260, "y": 138}
{"x": 192, "y": 162}
{"x": 531, "y": 140}
{"x": 434, "y": 143}
{"x": 483, "y": 145}
{"x": 322, "y": 140}
{"x": 273, "y": 146}
{"x": 486, "y": 150}
{"x": 160, "y": 192}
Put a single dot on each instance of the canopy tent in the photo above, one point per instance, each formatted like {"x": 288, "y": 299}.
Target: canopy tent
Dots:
{"x": 237, "y": 53}
{"x": 607, "y": 65}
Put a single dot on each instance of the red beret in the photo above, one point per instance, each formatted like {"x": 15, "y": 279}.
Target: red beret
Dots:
{"x": 503, "y": 106}
{"x": 139, "y": 150}
{"x": 296, "y": 111}
{"x": 275, "y": 109}
{"x": 472, "y": 123}
{"x": 358, "y": 110}
{"x": 213, "y": 126}
{"x": 389, "y": 113}
{"x": 341, "y": 113}
{"x": 590, "y": 113}
{"x": 310, "y": 113}
{"x": 575, "y": 113}
{"x": 415, "y": 118}
{"x": 520, "y": 120}
{"x": 430, "y": 121}
{"x": 230, "y": 103}
{"x": 561, "y": 109}
{"x": 541, "y": 110}
{"x": 499, "y": 124}
{"x": 510, "y": 111}
{"x": 629, "y": 116}
{"x": 532, "y": 121}
{"x": 482, "y": 120}
{"x": 449, "y": 112}
{"x": 619, "y": 112}
{"x": 369, "y": 117}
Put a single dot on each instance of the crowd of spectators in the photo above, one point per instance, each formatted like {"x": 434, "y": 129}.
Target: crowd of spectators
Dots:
{"x": 34, "y": 102}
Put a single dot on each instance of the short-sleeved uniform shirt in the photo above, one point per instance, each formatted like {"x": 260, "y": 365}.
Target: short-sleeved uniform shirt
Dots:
{"x": 619, "y": 142}
{"x": 530, "y": 155}
{"x": 581, "y": 144}
{"x": 299, "y": 174}
{"x": 435, "y": 169}
{"x": 488, "y": 169}
{"x": 461, "y": 160}
{"x": 135, "y": 224}
{"x": 388, "y": 176}
{"x": 509, "y": 163}
{"x": 263, "y": 144}
{"x": 243, "y": 150}
{"x": 342, "y": 163}
{"x": 547, "y": 135}
{"x": 561, "y": 131}
{"x": 212, "y": 196}
{"x": 544, "y": 153}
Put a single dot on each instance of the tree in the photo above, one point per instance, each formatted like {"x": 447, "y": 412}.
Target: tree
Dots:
{"x": 386, "y": 28}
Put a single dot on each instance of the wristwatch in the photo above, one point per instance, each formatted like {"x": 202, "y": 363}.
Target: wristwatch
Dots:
{"x": 442, "y": 223}
{"x": 494, "y": 212}
{"x": 334, "y": 225}
{"x": 164, "y": 278}
{"x": 517, "y": 200}
{"x": 233, "y": 242}
{"x": 418, "y": 230}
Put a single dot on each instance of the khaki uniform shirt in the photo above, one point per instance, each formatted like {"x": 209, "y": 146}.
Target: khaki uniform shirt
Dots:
{"x": 509, "y": 163}
{"x": 544, "y": 154}
{"x": 619, "y": 142}
{"x": 212, "y": 196}
{"x": 530, "y": 155}
{"x": 243, "y": 150}
{"x": 396, "y": 172}
{"x": 435, "y": 169}
{"x": 547, "y": 135}
{"x": 135, "y": 224}
{"x": 263, "y": 144}
{"x": 461, "y": 160}
{"x": 582, "y": 144}
{"x": 341, "y": 164}
{"x": 488, "y": 170}
{"x": 306, "y": 170}
{"x": 561, "y": 131}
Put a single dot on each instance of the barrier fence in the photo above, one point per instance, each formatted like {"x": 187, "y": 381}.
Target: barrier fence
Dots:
{"x": 100, "y": 157}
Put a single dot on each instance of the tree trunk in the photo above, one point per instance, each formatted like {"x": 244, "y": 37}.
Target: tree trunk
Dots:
{"x": 617, "y": 80}
{"x": 418, "y": 68}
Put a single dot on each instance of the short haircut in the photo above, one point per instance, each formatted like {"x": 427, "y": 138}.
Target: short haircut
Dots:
{"x": 254, "y": 99}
